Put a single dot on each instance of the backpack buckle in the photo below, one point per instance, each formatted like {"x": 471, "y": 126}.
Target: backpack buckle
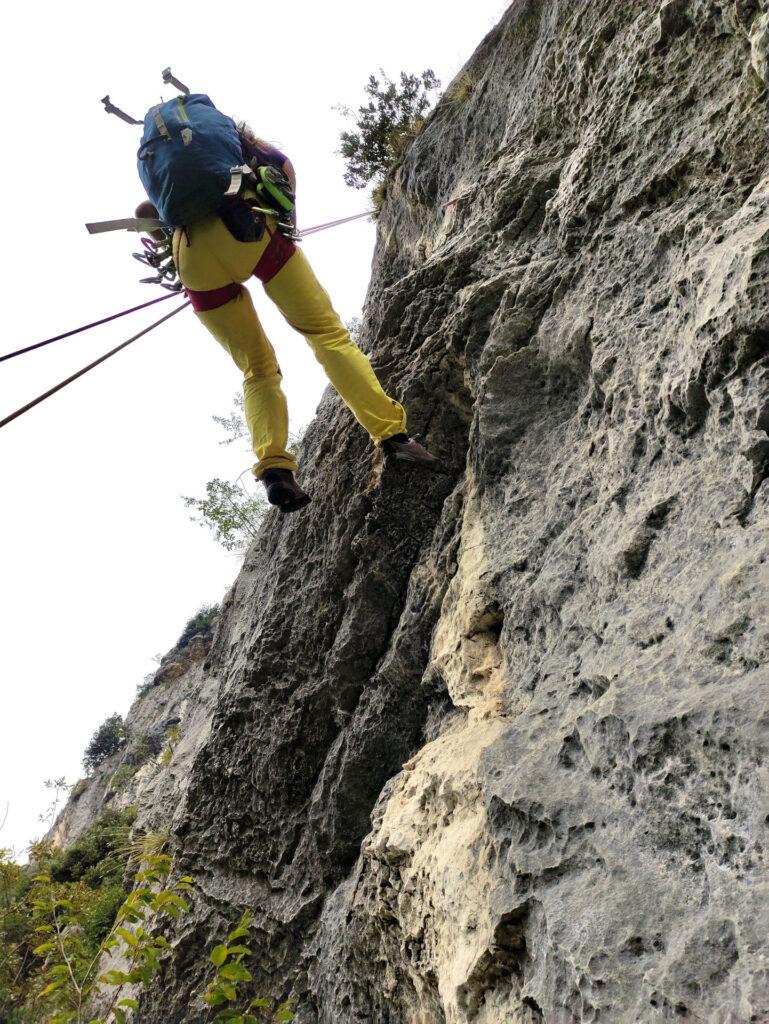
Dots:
{"x": 237, "y": 177}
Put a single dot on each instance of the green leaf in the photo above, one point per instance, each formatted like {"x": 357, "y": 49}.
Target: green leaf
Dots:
{"x": 130, "y": 1003}
{"x": 235, "y": 972}
{"x": 239, "y": 933}
{"x": 46, "y": 947}
{"x": 259, "y": 1004}
{"x": 284, "y": 1012}
{"x": 239, "y": 950}
{"x": 115, "y": 977}
{"x": 214, "y": 997}
{"x": 120, "y": 1016}
{"x": 128, "y": 937}
{"x": 218, "y": 955}
{"x": 54, "y": 985}
{"x": 227, "y": 990}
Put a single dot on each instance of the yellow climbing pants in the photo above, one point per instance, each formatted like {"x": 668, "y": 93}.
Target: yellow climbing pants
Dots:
{"x": 212, "y": 265}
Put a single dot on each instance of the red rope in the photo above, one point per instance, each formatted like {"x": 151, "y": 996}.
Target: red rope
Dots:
{"x": 333, "y": 223}
{"x": 86, "y": 327}
{"x": 85, "y": 369}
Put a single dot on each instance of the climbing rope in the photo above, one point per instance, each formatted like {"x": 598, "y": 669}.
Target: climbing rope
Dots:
{"x": 96, "y": 362}
{"x": 334, "y": 223}
{"x": 85, "y": 327}
{"x": 125, "y": 312}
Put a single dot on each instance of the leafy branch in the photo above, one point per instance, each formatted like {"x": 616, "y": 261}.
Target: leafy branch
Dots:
{"x": 230, "y": 972}
{"x": 394, "y": 114}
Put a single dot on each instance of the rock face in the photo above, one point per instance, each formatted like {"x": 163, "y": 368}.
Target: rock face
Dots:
{"x": 492, "y": 745}
{"x": 166, "y": 726}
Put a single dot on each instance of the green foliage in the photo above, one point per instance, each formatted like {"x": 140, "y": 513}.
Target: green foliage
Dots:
{"x": 463, "y": 87}
{"x": 68, "y": 974}
{"x": 201, "y": 623}
{"x": 230, "y": 972}
{"x": 84, "y": 884}
{"x": 146, "y": 684}
{"x": 232, "y": 514}
{"x": 228, "y": 509}
{"x": 234, "y": 425}
{"x": 15, "y": 932}
{"x": 99, "y": 857}
{"x": 379, "y": 194}
{"x": 122, "y": 777}
{"x": 78, "y": 789}
{"x": 141, "y": 749}
{"x": 393, "y": 115}
{"x": 108, "y": 738}
{"x": 59, "y": 788}
{"x": 54, "y": 933}
{"x": 173, "y": 735}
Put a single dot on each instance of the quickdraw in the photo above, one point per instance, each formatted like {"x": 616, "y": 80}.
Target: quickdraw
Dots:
{"x": 158, "y": 255}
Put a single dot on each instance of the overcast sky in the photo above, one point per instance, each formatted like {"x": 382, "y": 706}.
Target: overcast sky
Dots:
{"x": 99, "y": 562}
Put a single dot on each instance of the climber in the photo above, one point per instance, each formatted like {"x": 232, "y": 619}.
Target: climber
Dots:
{"x": 214, "y": 256}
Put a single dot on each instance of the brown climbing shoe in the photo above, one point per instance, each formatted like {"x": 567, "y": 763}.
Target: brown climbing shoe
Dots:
{"x": 283, "y": 491}
{"x": 403, "y": 448}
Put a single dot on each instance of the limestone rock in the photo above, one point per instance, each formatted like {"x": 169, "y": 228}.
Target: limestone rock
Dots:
{"x": 492, "y": 745}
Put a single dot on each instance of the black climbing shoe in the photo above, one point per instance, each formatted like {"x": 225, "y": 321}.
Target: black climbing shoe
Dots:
{"x": 283, "y": 491}
{"x": 403, "y": 448}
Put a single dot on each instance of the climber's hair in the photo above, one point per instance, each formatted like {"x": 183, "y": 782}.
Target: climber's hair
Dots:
{"x": 247, "y": 134}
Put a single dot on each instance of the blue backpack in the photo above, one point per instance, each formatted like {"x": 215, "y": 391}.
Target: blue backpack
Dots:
{"x": 187, "y": 153}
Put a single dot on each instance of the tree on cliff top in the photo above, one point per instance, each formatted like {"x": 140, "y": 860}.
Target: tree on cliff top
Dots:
{"x": 393, "y": 114}
{"x": 109, "y": 737}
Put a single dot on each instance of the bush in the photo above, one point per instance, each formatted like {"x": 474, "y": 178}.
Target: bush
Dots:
{"x": 146, "y": 684}
{"x": 230, "y": 511}
{"x": 393, "y": 114}
{"x": 202, "y": 622}
{"x": 78, "y": 789}
{"x": 122, "y": 777}
{"x": 99, "y": 856}
{"x": 108, "y": 738}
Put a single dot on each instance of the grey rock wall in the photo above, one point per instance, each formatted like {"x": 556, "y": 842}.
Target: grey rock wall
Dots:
{"x": 491, "y": 745}
{"x": 141, "y": 774}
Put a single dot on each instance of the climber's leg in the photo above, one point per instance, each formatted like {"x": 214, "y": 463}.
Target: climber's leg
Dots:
{"x": 237, "y": 329}
{"x": 211, "y": 263}
{"x": 307, "y": 308}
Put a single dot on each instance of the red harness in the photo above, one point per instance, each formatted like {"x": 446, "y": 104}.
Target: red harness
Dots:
{"x": 277, "y": 254}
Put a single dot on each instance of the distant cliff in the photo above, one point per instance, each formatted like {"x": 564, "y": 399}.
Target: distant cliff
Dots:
{"x": 492, "y": 745}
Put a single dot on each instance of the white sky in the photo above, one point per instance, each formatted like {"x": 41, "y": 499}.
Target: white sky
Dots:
{"x": 99, "y": 563}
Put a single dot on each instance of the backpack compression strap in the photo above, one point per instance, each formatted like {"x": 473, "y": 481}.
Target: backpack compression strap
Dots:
{"x": 160, "y": 123}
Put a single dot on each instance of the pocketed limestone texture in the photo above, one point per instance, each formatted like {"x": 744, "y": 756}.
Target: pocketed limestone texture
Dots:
{"x": 492, "y": 745}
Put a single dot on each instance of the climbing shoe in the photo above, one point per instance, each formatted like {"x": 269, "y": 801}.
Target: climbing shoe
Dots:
{"x": 283, "y": 491}
{"x": 403, "y": 448}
